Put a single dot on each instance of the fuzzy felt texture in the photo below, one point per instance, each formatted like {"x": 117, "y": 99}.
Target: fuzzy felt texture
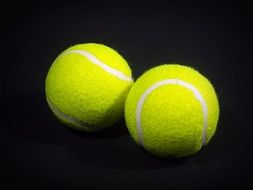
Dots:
{"x": 84, "y": 91}
{"x": 171, "y": 117}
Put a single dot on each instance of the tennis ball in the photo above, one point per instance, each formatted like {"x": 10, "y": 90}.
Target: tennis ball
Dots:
{"x": 172, "y": 110}
{"x": 87, "y": 85}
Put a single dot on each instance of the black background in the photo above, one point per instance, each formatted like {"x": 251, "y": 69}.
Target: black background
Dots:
{"x": 40, "y": 153}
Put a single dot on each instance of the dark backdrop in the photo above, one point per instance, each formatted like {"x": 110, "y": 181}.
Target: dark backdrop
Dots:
{"x": 40, "y": 153}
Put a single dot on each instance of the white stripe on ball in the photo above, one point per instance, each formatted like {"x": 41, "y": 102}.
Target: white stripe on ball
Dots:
{"x": 99, "y": 63}
{"x": 179, "y": 82}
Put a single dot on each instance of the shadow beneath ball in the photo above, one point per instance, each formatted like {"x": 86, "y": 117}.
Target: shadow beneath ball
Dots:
{"x": 29, "y": 120}
{"x": 117, "y": 130}
{"x": 124, "y": 153}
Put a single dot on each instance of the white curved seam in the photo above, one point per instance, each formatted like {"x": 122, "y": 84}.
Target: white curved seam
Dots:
{"x": 62, "y": 115}
{"x": 97, "y": 62}
{"x": 179, "y": 82}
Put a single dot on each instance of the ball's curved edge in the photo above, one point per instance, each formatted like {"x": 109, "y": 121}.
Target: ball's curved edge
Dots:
{"x": 129, "y": 109}
{"x": 115, "y": 67}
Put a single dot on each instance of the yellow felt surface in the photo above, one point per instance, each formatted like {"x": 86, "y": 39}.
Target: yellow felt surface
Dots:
{"x": 86, "y": 92}
{"x": 172, "y": 118}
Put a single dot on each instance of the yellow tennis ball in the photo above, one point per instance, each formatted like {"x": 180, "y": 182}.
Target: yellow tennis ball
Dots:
{"x": 87, "y": 85}
{"x": 172, "y": 110}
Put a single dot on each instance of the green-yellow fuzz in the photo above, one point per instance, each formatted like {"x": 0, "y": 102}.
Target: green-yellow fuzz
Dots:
{"x": 171, "y": 116}
{"x": 83, "y": 95}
